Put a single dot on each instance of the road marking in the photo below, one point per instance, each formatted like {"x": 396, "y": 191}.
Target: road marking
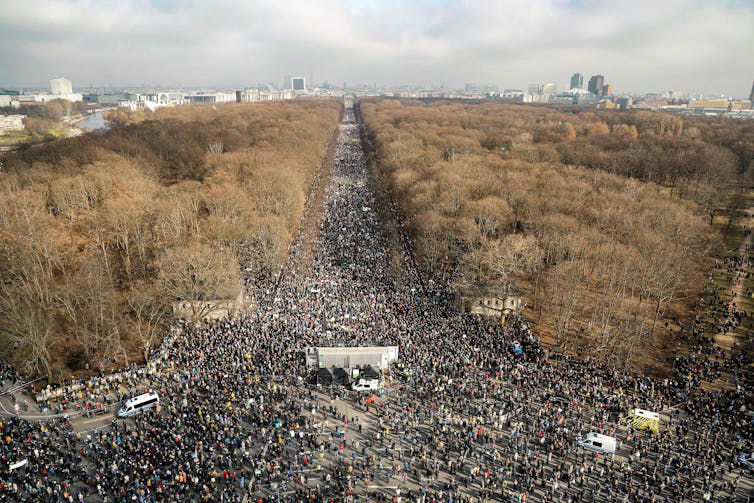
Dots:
{"x": 104, "y": 418}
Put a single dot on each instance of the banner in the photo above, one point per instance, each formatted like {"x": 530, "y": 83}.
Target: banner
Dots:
{"x": 18, "y": 465}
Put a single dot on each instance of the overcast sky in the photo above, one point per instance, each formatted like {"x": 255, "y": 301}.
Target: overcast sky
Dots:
{"x": 639, "y": 45}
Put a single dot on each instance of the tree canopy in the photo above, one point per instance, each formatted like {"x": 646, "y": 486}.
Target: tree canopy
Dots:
{"x": 602, "y": 219}
{"x": 100, "y": 234}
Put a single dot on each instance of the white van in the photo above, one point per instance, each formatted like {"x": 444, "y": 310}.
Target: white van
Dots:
{"x": 365, "y": 385}
{"x": 597, "y": 442}
{"x": 139, "y": 403}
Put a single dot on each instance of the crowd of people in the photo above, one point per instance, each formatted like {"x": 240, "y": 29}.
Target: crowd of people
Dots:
{"x": 461, "y": 417}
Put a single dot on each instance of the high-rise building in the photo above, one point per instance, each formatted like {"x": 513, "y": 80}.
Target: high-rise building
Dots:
{"x": 549, "y": 88}
{"x": 577, "y": 81}
{"x": 472, "y": 88}
{"x": 61, "y": 86}
{"x": 287, "y": 82}
{"x": 533, "y": 89}
{"x": 751, "y": 95}
{"x": 491, "y": 88}
{"x": 607, "y": 90}
{"x": 595, "y": 84}
{"x": 298, "y": 83}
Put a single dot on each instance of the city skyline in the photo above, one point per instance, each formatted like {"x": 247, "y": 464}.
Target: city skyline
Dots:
{"x": 690, "y": 45}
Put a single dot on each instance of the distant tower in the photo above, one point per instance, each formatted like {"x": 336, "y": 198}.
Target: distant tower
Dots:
{"x": 751, "y": 95}
{"x": 595, "y": 84}
{"x": 577, "y": 81}
{"x": 61, "y": 86}
{"x": 287, "y": 83}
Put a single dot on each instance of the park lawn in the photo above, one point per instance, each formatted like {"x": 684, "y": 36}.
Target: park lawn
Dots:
{"x": 14, "y": 137}
{"x": 59, "y": 131}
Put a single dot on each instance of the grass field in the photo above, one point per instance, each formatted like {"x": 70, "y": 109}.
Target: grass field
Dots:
{"x": 14, "y": 137}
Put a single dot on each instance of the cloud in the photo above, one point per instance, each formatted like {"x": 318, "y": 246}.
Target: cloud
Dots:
{"x": 694, "y": 45}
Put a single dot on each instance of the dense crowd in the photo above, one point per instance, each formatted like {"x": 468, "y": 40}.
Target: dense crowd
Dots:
{"x": 461, "y": 418}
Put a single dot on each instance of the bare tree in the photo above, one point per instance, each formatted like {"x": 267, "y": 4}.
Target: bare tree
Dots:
{"x": 199, "y": 277}
{"x": 516, "y": 255}
{"x": 150, "y": 313}
{"x": 27, "y": 298}
{"x": 271, "y": 238}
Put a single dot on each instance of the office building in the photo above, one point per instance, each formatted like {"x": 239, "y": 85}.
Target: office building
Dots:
{"x": 173, "y": 98}
{"x": 739, "y": 105}
{"x": 287, "y": 83}
{"x": 298, "y": 83}
{"x": 533, "y": 89}
{"x": 625, "y": 102}
{"x": 595, "y": 84}
{"x": 473, "y": 88}
{"x": 209, "y": 98}
{"x": 573, "y": 97}
{"x": 61, "y": 86}
{"x": 513, "y": 95}
{"x": 577, "y": 81}
{"x": 561, "y": 99}
{"x": 709, "y": 103}
{"x": 256, "y": 95}
{"x": 607, "y": 90}
{"x": 109, "y": 99}
{"x": 44, "y": 98}
{"x": 751, "y": 95}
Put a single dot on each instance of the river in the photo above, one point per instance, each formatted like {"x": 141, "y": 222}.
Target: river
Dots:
{"x": 94, "y": 122}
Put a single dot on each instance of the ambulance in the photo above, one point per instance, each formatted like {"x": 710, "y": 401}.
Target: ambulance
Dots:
{"x": 642, "y": 419}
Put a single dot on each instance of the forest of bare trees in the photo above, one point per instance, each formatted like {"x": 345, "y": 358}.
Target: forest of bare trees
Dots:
{"x": 603, "y": 220}
{"x": 100, "y": 234}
